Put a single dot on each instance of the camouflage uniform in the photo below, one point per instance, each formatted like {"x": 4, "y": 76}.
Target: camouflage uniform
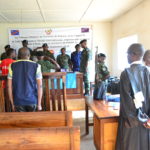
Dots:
{"x": 48, "y": 54}
{"x": 85, "y": 57}
{"x": 64, "y": 61}
{"x": 46, "y": 66}
{"x": 102, "y": 72}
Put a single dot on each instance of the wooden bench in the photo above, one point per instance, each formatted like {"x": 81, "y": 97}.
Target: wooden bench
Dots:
{"x": 35, "y": 119}
{"x": 62, "y": 138}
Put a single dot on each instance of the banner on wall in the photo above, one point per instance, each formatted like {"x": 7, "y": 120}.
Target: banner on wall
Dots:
{"x": 56, "y": 38}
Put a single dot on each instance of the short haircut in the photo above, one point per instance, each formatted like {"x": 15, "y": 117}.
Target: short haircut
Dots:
{"x": 136, "y": 49}
{"x": 7, "y": 46}
{"x": 39, "y": 53}
{"x": 23, "y": 52}
{"x": 63, "y": 48}
{"x": 147, "y": 54}
{"x": 24, "y": 41}
{"x": 101, "y": 55}
{"x": 77, "y": 45}
{"x": 83, "y": 41}
{"x": 10, "y": 51}
{"x": 44, "y": 45}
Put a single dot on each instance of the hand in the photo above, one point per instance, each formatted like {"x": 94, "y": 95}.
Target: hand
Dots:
{"x": 147, "y": 124}
{"x": 39, "y": 108}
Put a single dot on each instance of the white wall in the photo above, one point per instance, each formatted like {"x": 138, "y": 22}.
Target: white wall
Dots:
{"x": 102, "y": 35}
{"x": 136, "y": 21}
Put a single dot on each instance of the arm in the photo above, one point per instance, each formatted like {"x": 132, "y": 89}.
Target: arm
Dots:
{"x": 127, "y": 107}
{"x": 39, "y": 86}
{"x": 54, "y": 62}
{"x": 10, "y": 93}
{"x": 40, "y": 93}
{"x": 37, "y": 48}
{"x": 10, "y": 87}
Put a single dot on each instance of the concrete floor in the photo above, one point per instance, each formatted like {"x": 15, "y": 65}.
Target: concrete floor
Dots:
{"x": 86, "y": 140}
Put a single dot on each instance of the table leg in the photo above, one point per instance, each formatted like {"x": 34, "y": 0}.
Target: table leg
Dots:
{"x": 86, "y": 119}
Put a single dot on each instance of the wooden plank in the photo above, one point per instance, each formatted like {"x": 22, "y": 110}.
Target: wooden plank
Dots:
{"x": 59, "y": 95}
{"x": 63, "y": 138}
{"x": 53, "y": 96}
{"x": 2, "y": 101}
{"x": 47, "y": 95}
{"x": 35, "y": 119}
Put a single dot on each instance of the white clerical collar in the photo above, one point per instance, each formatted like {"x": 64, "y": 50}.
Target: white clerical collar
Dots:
{"x": 136, "y": 63}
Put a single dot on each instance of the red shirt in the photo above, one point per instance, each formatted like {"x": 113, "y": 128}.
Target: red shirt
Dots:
{"x": 5, "y": 65}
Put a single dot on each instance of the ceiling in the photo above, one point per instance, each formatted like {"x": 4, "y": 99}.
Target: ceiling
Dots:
{"x": 63, "y": 10}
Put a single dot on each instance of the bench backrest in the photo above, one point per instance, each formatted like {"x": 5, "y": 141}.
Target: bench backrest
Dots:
{"x": 64, "y": 138}
{"x": 35, "y": 119}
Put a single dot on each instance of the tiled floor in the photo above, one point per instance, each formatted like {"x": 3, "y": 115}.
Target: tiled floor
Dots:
{"x": 86, "y": 140}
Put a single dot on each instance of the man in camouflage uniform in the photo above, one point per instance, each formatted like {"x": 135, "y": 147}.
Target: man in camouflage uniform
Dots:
{"x": 101, "y": 75}
{"x": 47, "y": 63}
{"x": 84, "y": 64}
{"x": 64, "y": 60}
{"x": 47, "y": 52}
{"x": 102, "y": 72}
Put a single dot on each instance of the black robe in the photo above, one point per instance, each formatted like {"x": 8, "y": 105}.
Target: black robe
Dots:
{"x": 132, "y": 135}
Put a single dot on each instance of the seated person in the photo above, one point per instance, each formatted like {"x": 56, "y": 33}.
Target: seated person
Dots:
{"x": 64, "y": 60}
{"x": 4, "y": 55}
{"x": 25, "y": 83}
{"x": 46, "y": 63}
{"x": 146, "y": 58}
{"x": 76, "y": 58}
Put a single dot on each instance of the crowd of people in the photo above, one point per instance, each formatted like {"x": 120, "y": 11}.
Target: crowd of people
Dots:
{"x": 25, "y": 84}
{"x": 25, "y": 71}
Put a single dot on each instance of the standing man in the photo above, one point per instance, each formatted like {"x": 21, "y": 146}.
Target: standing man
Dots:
{"x": 25, "y": 83}
{"x": 4, "y": 55}
{"x": 47, "y": 52}
{"x": 101, "y": 75}
{"x": 102, "y": 72}
{"x": 25, "y": 45}
{"x": 76, "y": 58}
{"x": 64, "y": 60}
{"x": 84, "y": 64}
{"x": 133, "y": 132}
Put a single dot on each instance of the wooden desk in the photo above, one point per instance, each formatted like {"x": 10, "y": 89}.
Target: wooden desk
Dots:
{"x": 105, "y": 124}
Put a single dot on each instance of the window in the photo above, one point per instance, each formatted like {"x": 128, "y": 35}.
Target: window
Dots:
{"x": 122, "y": 46}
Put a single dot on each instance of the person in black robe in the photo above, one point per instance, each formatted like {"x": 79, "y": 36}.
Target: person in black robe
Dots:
{"x": 132, "y": 133}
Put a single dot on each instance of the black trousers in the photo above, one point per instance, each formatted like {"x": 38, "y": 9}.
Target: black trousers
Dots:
{"x": 27, "y": 108}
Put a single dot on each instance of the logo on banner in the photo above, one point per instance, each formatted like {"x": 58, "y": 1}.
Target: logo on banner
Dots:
{"x": 14, "y": 32}
{"x": 84, "y": 30}
{"x": 48, "y": 32}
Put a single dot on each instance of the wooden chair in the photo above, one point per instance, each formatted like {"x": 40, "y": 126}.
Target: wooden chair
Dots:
{"x": 62, "y": 138}
{"x": 35, "y": 119}
{"x": 55, "y": 91}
